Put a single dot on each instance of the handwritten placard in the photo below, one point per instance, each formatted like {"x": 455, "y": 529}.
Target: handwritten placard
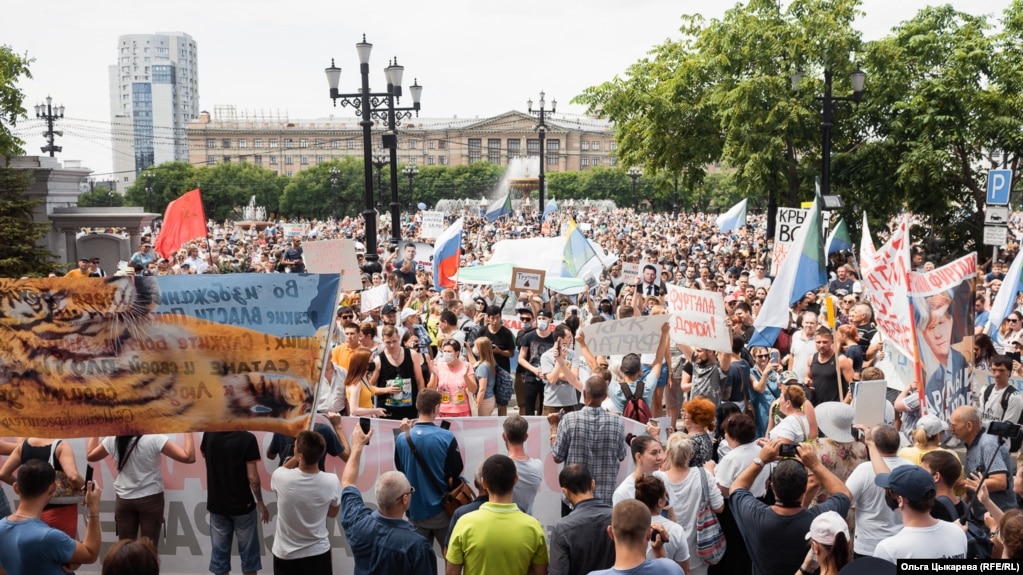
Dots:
{"x": 525, "y": 279}
{"x": 375, "y": 297}
{"x": 331, "y": 257}
{"x": 697, "y": 318}
{"x": 630, "y": 273}
{"x": 433, "y": 224}
{"x": 630, "y": 335}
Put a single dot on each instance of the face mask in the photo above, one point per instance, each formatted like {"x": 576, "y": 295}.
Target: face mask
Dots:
{"x": 891, "y": 501}
{"x": 542, "y": 325}
{"x": 605, "y": 309}
{"x": 447, "y": 357}
{"x": 527, "y": 324}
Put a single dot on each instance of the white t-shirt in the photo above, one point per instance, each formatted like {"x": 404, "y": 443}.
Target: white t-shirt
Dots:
{"x": 530, "y": 477}
{"x": 874, "y": 520}
{"x": 793, "y": 427}
{"x": 627, "y": 488}
{"x": 802, "y": 350}
{"x": 943, "y": 540}
{"x": 141, "y": 475}
{"x": 687, "y": 500}
{"x": 675, "y": 548}
{"x": 735, "y": 462}
{"x": 302, "y": 503}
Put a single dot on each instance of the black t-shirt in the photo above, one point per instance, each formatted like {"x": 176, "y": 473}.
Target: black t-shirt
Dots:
{"x": 283, "y": 446}
{"x": 841, "y": 288}
{"x": 536, "y": 346}
{"x": 404, "y": 406}
{"x": 227, "y": 454}
{"x": 406, "y": 277}
{"x": 503, "y": 339}
{"x": 292, "y": 254}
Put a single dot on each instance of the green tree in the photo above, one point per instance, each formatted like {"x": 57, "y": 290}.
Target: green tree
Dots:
{"x": 308, "y": 194}
{"x": 12, "y": 68}
{"x": 19, "y": 254}
{"x": 100, "y": 197}
{"x": 227, "y": 187}
{"x": 170, "y": 180}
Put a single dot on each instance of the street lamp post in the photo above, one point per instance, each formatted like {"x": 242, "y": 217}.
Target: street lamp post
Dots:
{"x": 830, "y": 102}
{"x": 541, "y": 128}
{"x": 334, "y": 173}
{"x": 369, "y": 105}
{"x": 411, "y": 171}
{"x": 394, "y": 117}
{"x": 379, "y": 161}
{"x": 49, "y": 113}
{"x": 634, "y": 173}
{"x": 149, "y": 190}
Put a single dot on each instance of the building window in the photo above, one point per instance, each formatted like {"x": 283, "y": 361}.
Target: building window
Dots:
{"x": 303, "y": 143}
{"x": 431, "y": 144}
{"x": 211, "y": 160}
{"x": 584, "y": 146}
{"x": 430, "y": 160}
{"x": 413, "y": 160}
{"x": 442, "y": 145}
{"x": 475, "y": 144}
{"x": 289, "y": 173}
{"x": 475, "y": 156}
{"x": 413, "y": 144}
{"x": 533, "y": 147}
{"x": 211, "y": 143}
{"x": 612, "y": 146}
{"x": 351, "y": 144}
{"x": 273, "y": 160}
{"x": 612, "y": 161}
{"x": 514, "y": 148}
{"x": 227, "y": 159}
{"x": 595, "y": 161}
{"x": 319, "y": 144}
{"x": 258, "y": 159}
{"x": 335, "y": 144}
{"x": 443, "y": 160}
{"x": 553, "y": 146}
{"x": 595, "y": 146}
{"x": 243, "y": 143}
{"x": 257, "y": 143}
{"x": 226, "y": 143}
{"x": 288, "y": 160}
{"x": 319, "y": 159}
{"x": 304, "y": 160}
{"x": 273, "y": 142}
{"x": 289, "y": 143}
{"x": 584, "y": 162}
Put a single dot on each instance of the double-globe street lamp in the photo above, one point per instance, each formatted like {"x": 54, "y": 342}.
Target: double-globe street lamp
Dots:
{"x": 634, "y": 172}
{"x": 50, "y": 113}
{"x": 380, "y": 105}
{"x": 411, "y": 171}
{"x": 541, "y": 128}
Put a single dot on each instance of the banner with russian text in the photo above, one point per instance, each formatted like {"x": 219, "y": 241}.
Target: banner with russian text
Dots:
{"x": 886, "y": 287}
{"x": 697, "y": 318}
{"x": 133, "y": 355}
{"x": 942, "y": 301}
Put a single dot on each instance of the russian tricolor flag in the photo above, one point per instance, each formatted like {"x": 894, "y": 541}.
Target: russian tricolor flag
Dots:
{"x": 446, "y": 252}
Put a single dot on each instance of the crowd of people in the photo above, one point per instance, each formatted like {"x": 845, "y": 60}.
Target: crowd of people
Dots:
{"x": 762, "y": 441}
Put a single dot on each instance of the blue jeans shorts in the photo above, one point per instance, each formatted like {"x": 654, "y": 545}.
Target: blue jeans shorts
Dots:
{"x": 222, "y": 530}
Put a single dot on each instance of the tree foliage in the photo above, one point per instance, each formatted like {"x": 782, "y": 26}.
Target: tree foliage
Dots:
{"x": 12, "y": 67}
{"x": 100, "y": 197}
{"x": 19, "y": 254}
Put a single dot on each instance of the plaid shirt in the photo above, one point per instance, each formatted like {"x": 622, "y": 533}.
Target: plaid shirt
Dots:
{"x": 595, "y": 438}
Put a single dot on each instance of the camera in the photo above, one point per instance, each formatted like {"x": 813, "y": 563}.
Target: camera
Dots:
{"x": 788, "y": 450}
{"x": 1005, "y": 429}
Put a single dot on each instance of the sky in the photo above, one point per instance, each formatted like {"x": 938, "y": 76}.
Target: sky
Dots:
{"x": 266, "y": 57}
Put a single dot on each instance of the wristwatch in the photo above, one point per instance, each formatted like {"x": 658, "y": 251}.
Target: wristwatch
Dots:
{"x": 758, "y": 461}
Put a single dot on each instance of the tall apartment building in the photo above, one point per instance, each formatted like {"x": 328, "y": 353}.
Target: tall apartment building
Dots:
{"x": 289, "y": 146}
{"x": 154, "y": 94}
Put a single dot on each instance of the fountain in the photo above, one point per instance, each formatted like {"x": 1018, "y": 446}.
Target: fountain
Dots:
{"x": 253, "y": 216}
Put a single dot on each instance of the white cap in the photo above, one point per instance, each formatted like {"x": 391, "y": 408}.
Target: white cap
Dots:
{"x": 826, "y": 526}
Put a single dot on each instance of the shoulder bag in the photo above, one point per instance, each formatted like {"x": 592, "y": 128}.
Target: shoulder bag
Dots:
{"x": 452, "y": 499}
{"x": 710, "y": 539}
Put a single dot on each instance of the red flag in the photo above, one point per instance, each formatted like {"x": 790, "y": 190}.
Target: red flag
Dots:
{"x": 183, "y": 221}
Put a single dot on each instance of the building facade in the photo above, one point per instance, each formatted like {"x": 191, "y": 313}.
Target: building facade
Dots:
{"x": 154, "y": 94}
{"x": 289, "y": 146}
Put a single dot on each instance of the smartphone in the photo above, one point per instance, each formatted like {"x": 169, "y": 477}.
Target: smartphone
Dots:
{"x": 364, "y": 424}
{"x": 775, "y": 356}
{"x": 445, "y": 424}
{"x": 88, "y": 474}
{"x": 1014, "y": 355}
{"x": 788, "y": 450}
{"x": 654, "y": 535}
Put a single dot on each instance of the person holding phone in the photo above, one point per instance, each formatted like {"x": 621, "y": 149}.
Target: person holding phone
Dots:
{"x": 765, "y": 385}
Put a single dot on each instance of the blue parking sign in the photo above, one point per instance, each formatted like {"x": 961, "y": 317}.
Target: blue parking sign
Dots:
{"x": 999, "y": 184}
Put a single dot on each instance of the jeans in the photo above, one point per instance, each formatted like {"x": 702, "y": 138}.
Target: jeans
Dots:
{"x": 222, "y": 531}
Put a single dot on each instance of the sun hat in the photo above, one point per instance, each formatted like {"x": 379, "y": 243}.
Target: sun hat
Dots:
{"x": 835, "y": 420}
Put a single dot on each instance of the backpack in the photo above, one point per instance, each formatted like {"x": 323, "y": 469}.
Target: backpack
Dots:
{"x": 635, "y": 406}
{"x": 1015, "y": 442}
{"x": 978, "y": 537}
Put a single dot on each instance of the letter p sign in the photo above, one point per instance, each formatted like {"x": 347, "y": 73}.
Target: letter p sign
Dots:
{"x": 999, "y": 184}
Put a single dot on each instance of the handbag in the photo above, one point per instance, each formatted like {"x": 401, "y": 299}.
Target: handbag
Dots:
{"x": 451, "y": 499}
{"x": 65, "y": 494}
{"x": 503, "y": 386}
{"x": 710, "y": 539}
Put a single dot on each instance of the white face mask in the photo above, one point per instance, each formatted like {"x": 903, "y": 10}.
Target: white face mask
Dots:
{"x": 542, "y": 325}
{"x": 447, "y": 356}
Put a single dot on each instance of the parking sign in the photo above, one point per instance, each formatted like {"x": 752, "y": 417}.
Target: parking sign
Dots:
{"x": 999, "y": 184}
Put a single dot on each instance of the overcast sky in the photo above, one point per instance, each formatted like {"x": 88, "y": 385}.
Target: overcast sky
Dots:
{"x": 473, "y": 59}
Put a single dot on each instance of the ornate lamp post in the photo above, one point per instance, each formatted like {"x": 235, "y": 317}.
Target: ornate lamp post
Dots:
{"x": 49, "y": 113}
{"x": 541, "y": 128}
{"x": 634, "y": 172}
{"x": 411, "y": 171}
{"x": 334, "y": 173}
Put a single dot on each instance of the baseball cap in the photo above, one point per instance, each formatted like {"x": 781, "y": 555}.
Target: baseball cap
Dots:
{"x": 931, "y": 425}
{"x": 407, "y": 313}
{"x": 909, "y": 481}
{"x": 826, "y": 526}
{"x": 788, "y": 375}
{"x": 388, "y": 308}
{"x": 543, "y": 313}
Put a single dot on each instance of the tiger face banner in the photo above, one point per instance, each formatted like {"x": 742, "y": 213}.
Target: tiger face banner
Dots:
{"x": 134, "y": 355}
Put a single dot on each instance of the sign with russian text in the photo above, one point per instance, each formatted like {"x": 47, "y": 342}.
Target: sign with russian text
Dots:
{"x": 133, "y": 355}
{"x": 524, "y": 279}
{"x": 332, "y": 257}
{"x": 886, "y": 286}
{"x": 433, "y": 224}
{"x": 697, "y": 318}
{"x": 630, "y": 335}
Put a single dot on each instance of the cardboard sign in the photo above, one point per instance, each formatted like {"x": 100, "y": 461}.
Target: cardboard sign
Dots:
{"x": 433, "y": 224}
{"x": 375, "y": 297}
{"x": 333, "y": 256}
{"x": 630, "y": 271}
{"x": 630, "y": 335}
{"x": 293, "y": 230}
{"x": 697, "y": 318}
{"x": 525, "y": 279}
{"x": 868, "y": 402}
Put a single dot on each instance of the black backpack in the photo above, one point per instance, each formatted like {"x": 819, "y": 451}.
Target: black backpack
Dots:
{"x": 1016, "y": 442}
{"x": 635, "y": 406}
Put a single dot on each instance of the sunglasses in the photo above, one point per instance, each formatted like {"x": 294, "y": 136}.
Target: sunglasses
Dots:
{"x": 347, "y": 316}
{"x": 763, "y": 356}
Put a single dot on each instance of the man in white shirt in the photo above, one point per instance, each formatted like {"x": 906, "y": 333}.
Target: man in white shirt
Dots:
{"x": 910, "y": 490}
{"x": 874, "y": 520}
{"x": 803, "y": 346}
{"x": 1000, "y": 394}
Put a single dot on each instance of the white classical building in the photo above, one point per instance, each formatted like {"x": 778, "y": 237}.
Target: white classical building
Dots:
{"x": 154, "y": 94}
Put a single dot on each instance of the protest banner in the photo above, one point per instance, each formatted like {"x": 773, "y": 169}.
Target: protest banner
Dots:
{"x": 630, "y": 335}
{"x": 942, "y": 303}
{"x": 630, "y": 273}
{"x": 786, "y": 226}
{"x": 133, "y": 355}
{"x": 433, "y": 224}
{"x": 293, "y": 230}
{"x": 886, "y": 287}
{"x": 375, "y": 297}
{"x": 525, "y": 279}
{"x": 697, "y": 318}
{"x": 331, "y": 257}
{"x": 869, "y": 402}
{"x": 186, "y": 546}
